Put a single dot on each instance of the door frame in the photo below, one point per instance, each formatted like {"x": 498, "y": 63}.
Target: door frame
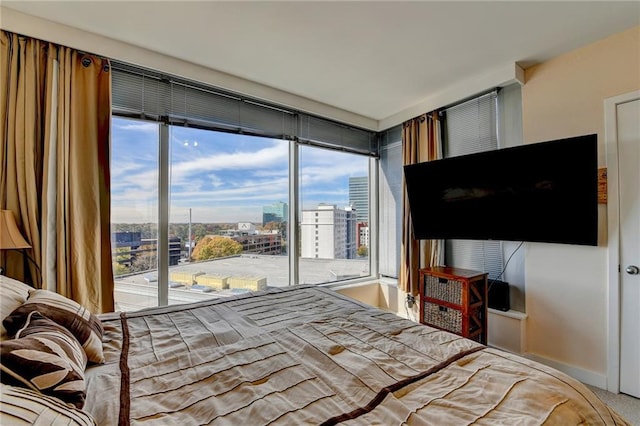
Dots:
{"x": 613, "y": 236}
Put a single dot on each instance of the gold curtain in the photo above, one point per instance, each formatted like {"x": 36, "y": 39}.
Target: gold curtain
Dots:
{"x": 54, "y": 117}
{"x": 420, "y": 143}
{"x": 22, "y": 82}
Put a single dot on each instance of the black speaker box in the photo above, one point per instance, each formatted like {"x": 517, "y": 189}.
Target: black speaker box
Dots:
{"x": 499, "y": 295}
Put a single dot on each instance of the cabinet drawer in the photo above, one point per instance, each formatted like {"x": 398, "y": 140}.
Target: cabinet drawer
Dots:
{"x": 443, "y": 317}
{"x": 444, "y": 289}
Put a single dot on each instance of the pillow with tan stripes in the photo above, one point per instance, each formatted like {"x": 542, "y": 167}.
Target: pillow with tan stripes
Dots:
{"x": 20, "y": 406}
{"x": 45, "y": 357}
{"x": 13, "y": 293}
{"x": 85, "y": 326}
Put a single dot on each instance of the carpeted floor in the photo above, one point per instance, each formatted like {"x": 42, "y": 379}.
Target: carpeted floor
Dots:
{"x": 625, "y": 405}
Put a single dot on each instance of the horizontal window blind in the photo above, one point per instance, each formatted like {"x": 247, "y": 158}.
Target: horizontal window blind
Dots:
{"x": 485, "y": 256}
{"x": 329, "y": 134}
{"x": 390, "y": 201}
{"x": 138, "y": 95}
{"x": 471, "y": 127}
{"x": 150, "y": 95}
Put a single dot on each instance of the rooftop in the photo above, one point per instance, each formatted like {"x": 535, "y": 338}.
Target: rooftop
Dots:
{"x": 137, "y": 291}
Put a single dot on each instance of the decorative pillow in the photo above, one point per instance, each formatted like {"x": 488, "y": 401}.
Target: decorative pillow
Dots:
{"x": 13, "y": 293}
{"x": 85, "y": 326}
{"x": 20, "y": 406}
{"x": 45, "y": 357}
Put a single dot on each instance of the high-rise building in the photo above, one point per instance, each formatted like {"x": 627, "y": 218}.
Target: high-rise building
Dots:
{"x": 363, "y": 234}
{"x": 328, "y": 232}
{"x": 276, "y": 212}
{"x": 359, "y": 197}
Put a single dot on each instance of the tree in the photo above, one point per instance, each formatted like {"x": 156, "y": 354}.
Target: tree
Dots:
{"x": 198, "y": 231}
{"x": 123, "y": 255}
{"x": 271, "y": 226}
{"x": 213, "y": 247}
{"x": 121, "y": 261}
{"x": 120, "y": 269}
{"x": 363, "y": 251}
{"x": 146, "y": 258}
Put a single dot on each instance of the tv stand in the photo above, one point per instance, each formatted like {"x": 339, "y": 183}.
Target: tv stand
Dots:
{"x": 455, "y": 300}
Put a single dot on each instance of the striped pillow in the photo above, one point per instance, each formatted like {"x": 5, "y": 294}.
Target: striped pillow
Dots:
{"x": 13, "y": 293}
{"x": 21, "y": 406}
{"x": 85, "y": 326}
{"x": 45, "y": 357}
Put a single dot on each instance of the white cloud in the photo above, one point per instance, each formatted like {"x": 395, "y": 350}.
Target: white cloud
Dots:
{"x": 263, "y": 158}
{"x": 135, "y": 126}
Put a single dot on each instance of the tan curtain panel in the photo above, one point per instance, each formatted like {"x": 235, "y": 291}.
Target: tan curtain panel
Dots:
{"x": 55, "y": 152}
{"x": 23, "y": 82}
{"x": 420, "y": 143}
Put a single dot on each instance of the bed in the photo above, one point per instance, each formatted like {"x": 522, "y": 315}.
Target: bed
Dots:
{"x": 308, "y": 355}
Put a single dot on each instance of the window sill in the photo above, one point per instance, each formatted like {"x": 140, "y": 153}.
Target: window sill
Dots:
{"x": 509, "y": 314}
{"x": 354, "y": 283}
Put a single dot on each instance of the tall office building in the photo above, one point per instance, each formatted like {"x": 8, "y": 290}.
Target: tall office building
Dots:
{"x": 328, "y": 232}
{"x": 276, "y": 212}
{"x": 359, "y": 197}
{"x": 363, "y": 234}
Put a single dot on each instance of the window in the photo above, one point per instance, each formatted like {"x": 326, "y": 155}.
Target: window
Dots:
{"x": 328, "y": 216}
{"x": 235, "y": 188}
{"x": 390, "y": 202}
{"x": 471, "y": 127}
{"x": 134, "y": 212}
{"x": 226, "y": 174}
{"x": 489, "y": 122}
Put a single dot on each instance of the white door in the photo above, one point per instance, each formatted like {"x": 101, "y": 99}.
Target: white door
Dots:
{"x": 628, "y": 131}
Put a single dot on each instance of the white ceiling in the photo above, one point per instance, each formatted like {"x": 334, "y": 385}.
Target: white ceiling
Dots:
{"x": 374, "y": 59}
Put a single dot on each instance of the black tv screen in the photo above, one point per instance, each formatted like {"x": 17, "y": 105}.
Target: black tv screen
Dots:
{"x": 542, "y": 192}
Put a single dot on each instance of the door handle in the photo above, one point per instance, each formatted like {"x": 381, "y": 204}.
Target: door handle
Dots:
{"x": 632, "y": 270}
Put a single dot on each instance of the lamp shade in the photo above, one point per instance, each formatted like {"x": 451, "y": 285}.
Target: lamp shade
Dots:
{"x": 10, "y": 236}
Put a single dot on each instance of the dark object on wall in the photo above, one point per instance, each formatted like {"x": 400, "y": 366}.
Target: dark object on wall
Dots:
{"x": 543, "y": 192}
{"x": 602, "y": 185}
{"x": 499, "y": 295}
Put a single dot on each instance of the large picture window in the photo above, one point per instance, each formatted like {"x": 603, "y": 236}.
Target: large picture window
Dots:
{"x": 214, "y": 194}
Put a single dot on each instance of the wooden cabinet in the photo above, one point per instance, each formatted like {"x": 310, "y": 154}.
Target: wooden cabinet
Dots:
{"x": 455, "y": 300}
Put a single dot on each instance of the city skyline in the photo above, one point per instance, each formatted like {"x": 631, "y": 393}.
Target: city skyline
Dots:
{"x": 221, "y": 177}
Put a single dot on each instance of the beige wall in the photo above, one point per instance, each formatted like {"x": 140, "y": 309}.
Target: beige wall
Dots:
{"x": 566, "y": 286}
{"x": 382, "y": 295}
{"x": 395, "y": 300}
{"x": 366, "y": 293}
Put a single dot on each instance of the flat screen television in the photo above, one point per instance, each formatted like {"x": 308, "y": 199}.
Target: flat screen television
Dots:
{"x": 542, "y": 192}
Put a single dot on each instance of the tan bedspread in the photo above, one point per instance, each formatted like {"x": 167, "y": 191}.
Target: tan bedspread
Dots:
{"x": 307, "y": 355}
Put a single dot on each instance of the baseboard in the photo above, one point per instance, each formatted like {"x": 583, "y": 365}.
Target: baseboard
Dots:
{"x": 585, "y": 376}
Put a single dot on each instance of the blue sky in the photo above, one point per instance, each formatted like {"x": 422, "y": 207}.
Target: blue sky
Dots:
{"x": 222, "y": 177}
